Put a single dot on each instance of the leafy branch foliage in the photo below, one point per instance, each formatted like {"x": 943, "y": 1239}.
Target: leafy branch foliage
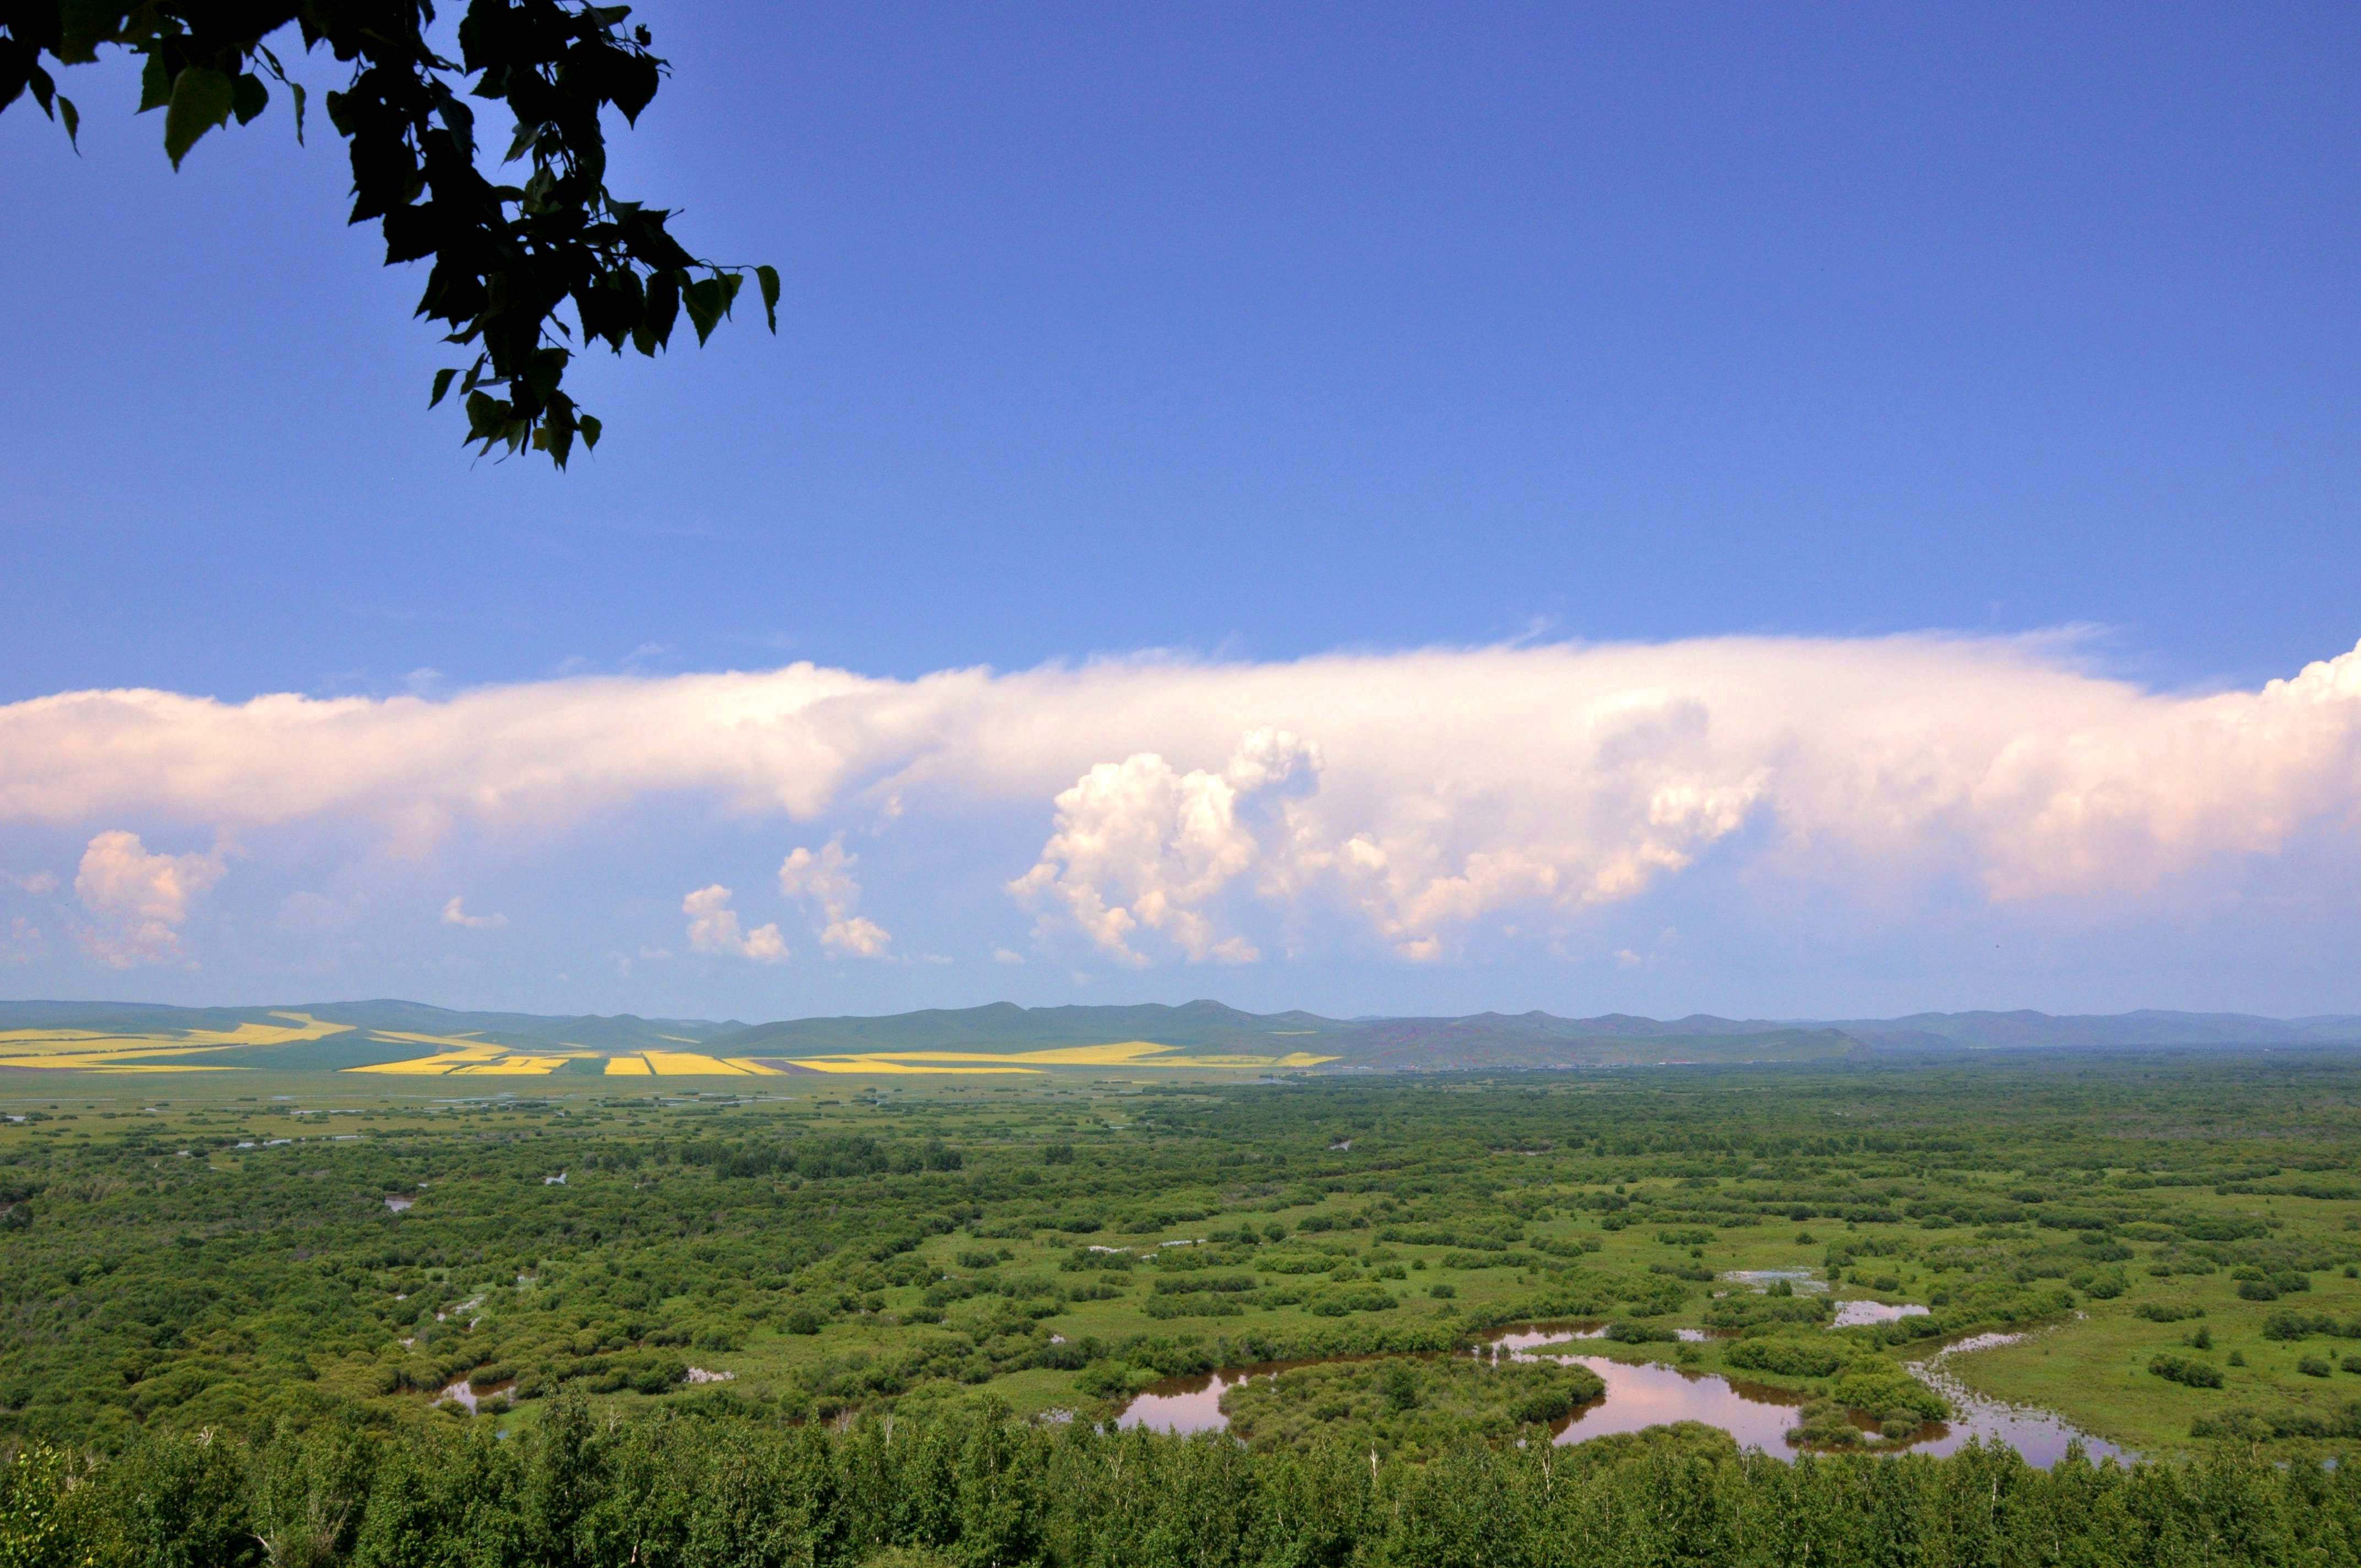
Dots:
{"x": 508, "y": 262}
{"x": 978, "y": 1490}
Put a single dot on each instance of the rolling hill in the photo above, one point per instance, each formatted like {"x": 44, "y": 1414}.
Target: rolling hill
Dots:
{"x": 405, "y": 1038}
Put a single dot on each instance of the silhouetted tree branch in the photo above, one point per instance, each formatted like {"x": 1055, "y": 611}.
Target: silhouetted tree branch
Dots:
{"x": 505, "y": 261}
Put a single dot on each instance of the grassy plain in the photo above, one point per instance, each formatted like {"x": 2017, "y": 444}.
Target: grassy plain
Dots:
{"x": 218, "y": 1249}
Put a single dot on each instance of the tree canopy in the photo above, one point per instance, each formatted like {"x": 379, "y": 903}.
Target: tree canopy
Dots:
{"x": 526, "y": 273}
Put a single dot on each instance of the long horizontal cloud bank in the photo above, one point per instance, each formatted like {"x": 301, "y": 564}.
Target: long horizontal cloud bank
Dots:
{"x": 1421, "y": 790}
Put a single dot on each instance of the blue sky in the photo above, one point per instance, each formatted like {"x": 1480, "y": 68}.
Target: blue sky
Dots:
{"x": 2023, "y": 336}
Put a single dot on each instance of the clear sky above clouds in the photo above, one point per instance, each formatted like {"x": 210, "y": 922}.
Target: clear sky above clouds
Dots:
{"x": 1379, "y": 509}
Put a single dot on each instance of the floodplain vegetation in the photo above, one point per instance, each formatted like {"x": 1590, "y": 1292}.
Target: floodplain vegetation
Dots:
{"x": 292, "y": 1318}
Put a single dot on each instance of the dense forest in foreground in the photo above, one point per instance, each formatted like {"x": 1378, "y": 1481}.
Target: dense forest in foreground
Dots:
{"x": 598, "y": 1324}
{"x": 670, "y": 1490}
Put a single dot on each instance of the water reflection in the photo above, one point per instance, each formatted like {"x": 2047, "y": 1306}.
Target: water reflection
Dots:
{"x": 1853, "y": 1314}
{"x": 1801, "y": 1280}
{"x": 1534, "y": 1336}
{"x": 2035, "y": 1433}
{"x": 1194, "y": 1404}
{"x": 468, "y": 1394}
{"x": 1653, "y": 1394}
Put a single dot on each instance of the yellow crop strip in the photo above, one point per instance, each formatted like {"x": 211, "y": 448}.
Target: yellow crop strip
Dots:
{"x": 1124, "y": 1053}
{"x": 474, "y": 1053}
{"x": 1057, "y": 1055}
{"x": 305, "y": 1028}
{"x": 470, "y": 1055}
{"x": 886, "y": 1064}
{"x": 101, "y": 1064}
{"x": 83, "y": 1045}
{"x": 690, "y": 1064}
{"x": 1295, "y": 1058}
{"x": 86, "y": 1050}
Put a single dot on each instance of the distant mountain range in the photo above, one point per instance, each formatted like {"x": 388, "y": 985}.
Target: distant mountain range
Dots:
{"x": 345, "y": 1035}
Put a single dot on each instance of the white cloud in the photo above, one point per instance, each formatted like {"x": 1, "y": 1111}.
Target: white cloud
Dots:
{"x": 455, "y": 914}
{"x": 1453, "y": 787}
{"x": 1141, "y": 845}
{"x": 23, "y": 943}
{"x": 713, "y": 928}
{"x": 138, "y": 901}
{"x": 1004, "y": 956}
{"x": 36, "y": 883}
{"x": 826, "y": 879}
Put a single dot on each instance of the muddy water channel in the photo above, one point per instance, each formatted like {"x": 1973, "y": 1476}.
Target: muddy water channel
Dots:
{"x": 1652, "y": 1394}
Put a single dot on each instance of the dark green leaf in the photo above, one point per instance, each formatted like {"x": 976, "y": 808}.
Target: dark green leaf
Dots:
{"x": 73, "y": 117}
{"x": 514, "y": 272}
{"x": 201, "y": 100}
{"x": 663, "y": 308}
{"x": 248, "y": 98}
{"x": 155, "y": 84}
{"x": 703, "y": 302}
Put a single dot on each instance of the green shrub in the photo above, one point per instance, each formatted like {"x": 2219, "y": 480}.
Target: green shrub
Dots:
{"x": 2167, "y": 1312}
{"x": 2182, "y": 1369}
{"x": 1194, "y": 1306}
{"x": 1628, "y": 1332}
{"x": 2248, "y": 1425}
{"x": 1790, "y": 1357}
{"x": 1826, "y": 1424}
{"x": 1883, "y": 1389}
{"x": 1402, "y": 1406}
{"x": 1337, "y": 1303}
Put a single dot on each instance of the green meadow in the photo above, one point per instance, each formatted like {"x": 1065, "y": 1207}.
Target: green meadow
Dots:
{"x": 231, "y": 1249}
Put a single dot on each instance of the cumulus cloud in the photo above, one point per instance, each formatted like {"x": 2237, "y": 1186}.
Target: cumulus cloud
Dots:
{"x": 1424, "y": 792}
{"x": 1140, "y": 844}
{"x": 136, "y": 900}
{"x": 713, "y": 928}
{"x": 826, "y": 880}
{"x": 36, "y": 883}
{"x": 455, "y": 913}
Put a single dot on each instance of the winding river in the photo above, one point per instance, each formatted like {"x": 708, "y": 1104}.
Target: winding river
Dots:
{"x": 1651, "y": 1393}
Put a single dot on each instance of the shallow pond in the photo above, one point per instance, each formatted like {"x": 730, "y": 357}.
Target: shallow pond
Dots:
{"x": 1801, "y": 1280}
{"x": 2035, "y": 1433}
{"x": 466, "y": 1394}
{"x": 1853, "y": 1314}
{"x": 1652, "y": 1394}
